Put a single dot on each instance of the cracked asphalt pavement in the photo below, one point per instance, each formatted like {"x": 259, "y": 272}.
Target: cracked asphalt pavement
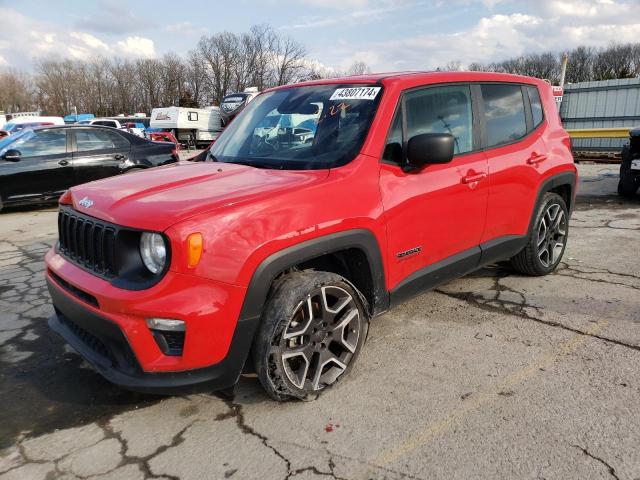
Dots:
{"x": 494, "y": 375}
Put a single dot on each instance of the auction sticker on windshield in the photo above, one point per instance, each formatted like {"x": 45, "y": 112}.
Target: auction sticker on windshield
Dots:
{"x": 355, "y": 93}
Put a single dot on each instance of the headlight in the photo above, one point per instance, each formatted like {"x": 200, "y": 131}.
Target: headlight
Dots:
{"x": 153, "y": 251}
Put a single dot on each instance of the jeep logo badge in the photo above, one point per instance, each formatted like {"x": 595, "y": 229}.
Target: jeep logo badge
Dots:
{"x": 86, "y": 202}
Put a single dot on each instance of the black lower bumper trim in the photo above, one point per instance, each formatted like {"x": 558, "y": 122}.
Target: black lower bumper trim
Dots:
{"x": 104, "y": 346}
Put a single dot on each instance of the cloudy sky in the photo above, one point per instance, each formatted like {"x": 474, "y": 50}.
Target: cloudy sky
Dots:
{"x": 386, "y": 34}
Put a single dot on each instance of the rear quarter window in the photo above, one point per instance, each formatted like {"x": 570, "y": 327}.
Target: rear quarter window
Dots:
{"x": 536, "y": 105}
{"x": 504, "y": 113}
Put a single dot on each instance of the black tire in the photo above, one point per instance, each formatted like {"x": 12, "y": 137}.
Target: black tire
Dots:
{"x": 298, "y": 323}
{"x": 533, "y": 259}
{"x": 627, "y": 189}
{"x": 629, "y": 183}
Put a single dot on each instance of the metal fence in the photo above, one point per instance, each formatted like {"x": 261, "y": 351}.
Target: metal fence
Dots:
{"x": 607, "y": 104}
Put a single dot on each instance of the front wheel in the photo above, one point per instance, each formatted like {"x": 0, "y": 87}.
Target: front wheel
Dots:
{"x": 312, "y": 330}
{"x": 547, "y": 240}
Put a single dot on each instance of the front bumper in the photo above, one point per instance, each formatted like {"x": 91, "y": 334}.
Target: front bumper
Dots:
{"x": 107, "y": 327}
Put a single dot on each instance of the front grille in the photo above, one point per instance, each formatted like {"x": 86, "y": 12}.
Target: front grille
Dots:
{"x": 88, "y": 242}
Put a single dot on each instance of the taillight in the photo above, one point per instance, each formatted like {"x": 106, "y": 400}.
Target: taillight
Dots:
{"x": 174, "y": 152}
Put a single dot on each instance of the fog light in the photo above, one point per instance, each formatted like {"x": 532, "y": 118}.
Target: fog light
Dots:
{"x": 169, "y": 334}
{"x": 166, "y": 324}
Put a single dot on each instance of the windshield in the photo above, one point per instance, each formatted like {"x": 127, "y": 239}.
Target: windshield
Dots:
{"x": 300, "y": 128}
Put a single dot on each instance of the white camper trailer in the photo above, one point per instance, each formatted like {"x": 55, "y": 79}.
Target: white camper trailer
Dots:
{"x": 192, "y": 126}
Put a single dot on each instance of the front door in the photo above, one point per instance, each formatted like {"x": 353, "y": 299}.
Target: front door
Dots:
{"x": 435, "y": 217}
{"x": 43, "y": 170}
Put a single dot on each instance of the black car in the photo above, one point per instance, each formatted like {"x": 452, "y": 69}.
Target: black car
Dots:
{"x": 38, "y": 165}
{"x": 630, "y": 166}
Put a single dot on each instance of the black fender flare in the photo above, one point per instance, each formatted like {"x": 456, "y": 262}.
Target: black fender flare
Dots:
{"x": 272, "y": 266}
{"x": 557, "y": 180}
{"x": 276, "y": 263}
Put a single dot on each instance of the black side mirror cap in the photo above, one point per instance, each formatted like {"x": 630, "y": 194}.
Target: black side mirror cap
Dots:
{"x": 428, "y": 148}
{"x": 12, "y": 155}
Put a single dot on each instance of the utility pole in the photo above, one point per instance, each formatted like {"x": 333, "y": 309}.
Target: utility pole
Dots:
{"x": 563, "y": 68}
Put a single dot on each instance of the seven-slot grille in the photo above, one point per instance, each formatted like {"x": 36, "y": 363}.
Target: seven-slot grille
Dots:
{"x": 88, "y": 242}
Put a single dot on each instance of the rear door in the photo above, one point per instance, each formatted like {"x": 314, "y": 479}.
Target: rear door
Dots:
{"x": 44, "y": 169}
{"x": 98, "y": 153}
{"x": 516, "y": 154}
{"x": 439, "y": 211}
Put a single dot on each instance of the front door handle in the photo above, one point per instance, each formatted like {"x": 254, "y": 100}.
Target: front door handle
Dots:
{"x": 473, "y": 178}
{"x": 64, "y": 163}
{"x": 118, "y": 156}
{"x": 535, "y": 158}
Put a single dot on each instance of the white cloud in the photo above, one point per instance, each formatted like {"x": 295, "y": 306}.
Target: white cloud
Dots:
{"x": 497, "y": 37}
{"x": 32, "y": 39}
{"x": 137, "y": 47}
{"x": 359, "y": 16}
{"x": 341, "y": 4}
{"x": 186, "y": 29}
{"x": 90, "y": 40}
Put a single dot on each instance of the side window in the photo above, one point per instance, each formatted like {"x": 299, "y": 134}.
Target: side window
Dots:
{"x": 51, "y": 142}
{"x": 536, "y": 105}
{"x": 393, "y": 148}
{"x": 441, "y": 110}
{"x": 88, "y": 140}
{"x": 504, "y": 113}
{"x": 193, "y": 116}
{"x": 118, "y": 140}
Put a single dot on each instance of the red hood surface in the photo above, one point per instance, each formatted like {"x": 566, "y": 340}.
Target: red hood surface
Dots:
{"x": 157, "y": 198}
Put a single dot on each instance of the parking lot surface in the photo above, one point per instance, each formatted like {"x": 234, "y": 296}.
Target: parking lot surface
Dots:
{"x": 495, "y": 375}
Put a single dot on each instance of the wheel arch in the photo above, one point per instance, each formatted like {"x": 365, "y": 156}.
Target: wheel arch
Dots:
{"x": 564, "y": 184}
{"x": 329, "y": 250}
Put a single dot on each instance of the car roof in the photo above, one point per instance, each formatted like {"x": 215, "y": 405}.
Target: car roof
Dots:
{"x": 411, "y": 78}
{"x": 75, "y": 125}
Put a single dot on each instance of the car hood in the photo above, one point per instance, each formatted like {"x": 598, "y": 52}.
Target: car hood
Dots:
{"x": 158, "y": 198}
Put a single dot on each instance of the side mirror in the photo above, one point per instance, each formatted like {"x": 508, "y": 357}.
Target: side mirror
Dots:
{"x": 12, "y": 155}
{"x": 429, "y": 148}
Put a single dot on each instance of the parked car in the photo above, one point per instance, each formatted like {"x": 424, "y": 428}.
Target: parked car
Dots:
{"x": 233, "y": 103}
{"x": 20, "y": 123}
{"x": 38, "y": 165}
{"x": 79, "y": 118}
{"x": 275, "y": 253}
{"x": 630, "y": 166}
{"x": 161, "y": 136}
{"x": 104, "y": 122}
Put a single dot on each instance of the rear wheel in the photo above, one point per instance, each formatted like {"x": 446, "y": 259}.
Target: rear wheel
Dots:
{"x": 312, "y": 330}
{"x": 547, "y": 240}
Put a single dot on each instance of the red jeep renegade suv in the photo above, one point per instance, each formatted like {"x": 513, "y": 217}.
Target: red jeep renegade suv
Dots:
{"x": 322, "y": 205}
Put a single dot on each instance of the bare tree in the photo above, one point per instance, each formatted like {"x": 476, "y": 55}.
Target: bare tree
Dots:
{"x": 16, "y": 91}
{"x": 288, "y": 60}
{"x": 358, "y": 68}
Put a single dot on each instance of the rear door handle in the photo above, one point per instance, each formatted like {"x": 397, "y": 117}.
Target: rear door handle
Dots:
{"x": 63, "y": 163}
{"x": 118, "y": 156}
{"x": 535, "y": 159}
{"x": 473, "y": 178}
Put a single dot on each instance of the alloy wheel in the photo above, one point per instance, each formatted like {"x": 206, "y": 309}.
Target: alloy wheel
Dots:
{"x": 321, "y": 339}
{"x": 552, "y": 235}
